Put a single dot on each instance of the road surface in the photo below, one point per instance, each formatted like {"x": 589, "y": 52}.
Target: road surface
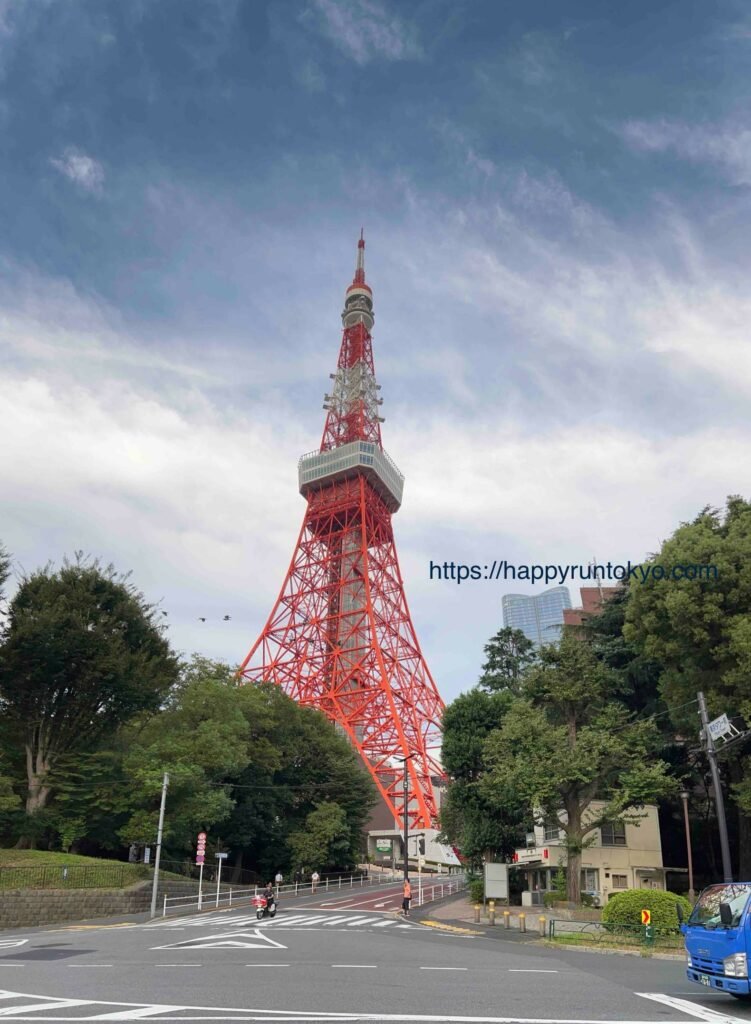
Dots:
{"x": 332, "y": 957}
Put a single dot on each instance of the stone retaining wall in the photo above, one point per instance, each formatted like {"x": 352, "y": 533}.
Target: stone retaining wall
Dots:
{"x": 24, "y": 908}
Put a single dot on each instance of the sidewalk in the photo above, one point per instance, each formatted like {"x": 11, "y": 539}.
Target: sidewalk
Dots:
{"x": 457, "y": 913}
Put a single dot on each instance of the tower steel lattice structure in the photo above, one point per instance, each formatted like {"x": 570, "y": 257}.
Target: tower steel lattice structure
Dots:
{"x": 340, "y": 637}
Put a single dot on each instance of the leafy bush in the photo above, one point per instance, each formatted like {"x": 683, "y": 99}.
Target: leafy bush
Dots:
{"x": 476, "y": 890}
{"x": 587, "y": 899}
{"x": 624, "y": 909}
{"x": 553, "y": 898}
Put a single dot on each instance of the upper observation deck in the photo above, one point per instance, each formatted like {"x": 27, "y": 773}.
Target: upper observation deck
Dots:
{"x": 358, "y": 457}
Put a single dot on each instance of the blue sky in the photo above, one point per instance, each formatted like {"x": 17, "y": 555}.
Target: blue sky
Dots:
{"x": 557, "y": 206}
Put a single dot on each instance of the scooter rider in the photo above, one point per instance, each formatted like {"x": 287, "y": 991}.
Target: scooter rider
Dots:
{"x": 268, "y": 892}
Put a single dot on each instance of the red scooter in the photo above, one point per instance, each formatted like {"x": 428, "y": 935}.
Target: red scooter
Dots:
{"x": 264, "y": 906}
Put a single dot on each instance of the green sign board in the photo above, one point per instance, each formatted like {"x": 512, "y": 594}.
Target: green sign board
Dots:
{"x": 383, "y": 846}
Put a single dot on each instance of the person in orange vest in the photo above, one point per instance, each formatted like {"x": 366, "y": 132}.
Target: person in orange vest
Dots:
{"x": 406, "y": 897}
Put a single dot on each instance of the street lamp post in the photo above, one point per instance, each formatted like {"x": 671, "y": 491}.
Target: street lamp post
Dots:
{"x": 691, "y": 894}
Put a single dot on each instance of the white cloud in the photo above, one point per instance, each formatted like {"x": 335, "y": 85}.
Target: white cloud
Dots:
{"x": 84, "y": 171}
{"x": 364, "y": 30}
{"x": 726, "y": 146}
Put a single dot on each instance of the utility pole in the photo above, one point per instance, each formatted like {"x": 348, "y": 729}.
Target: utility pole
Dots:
{"x": 405, "y": 815}
{"x": 165, "y": 783}
{"x": 722, "y": 824}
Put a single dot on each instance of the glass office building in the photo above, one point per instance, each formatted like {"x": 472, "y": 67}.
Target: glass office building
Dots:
{"x": 540, "y": 616}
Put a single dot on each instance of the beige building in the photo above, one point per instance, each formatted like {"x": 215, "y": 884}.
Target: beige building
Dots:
{"x": 622, "y": 856}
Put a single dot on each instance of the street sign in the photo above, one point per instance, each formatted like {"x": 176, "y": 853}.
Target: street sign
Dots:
{"x": 221, "y": 856}
{"x": 201, "y": 848}
{"x": 646, "y": 917}
{"x": 720, "y": 727}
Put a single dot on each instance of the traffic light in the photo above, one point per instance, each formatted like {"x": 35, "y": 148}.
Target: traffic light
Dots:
{"x": 421, "y": 845}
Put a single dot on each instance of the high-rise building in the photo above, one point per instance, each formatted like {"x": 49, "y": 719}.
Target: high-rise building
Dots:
{"x": 538, "y": 616}
{"x": 340, "y": 637}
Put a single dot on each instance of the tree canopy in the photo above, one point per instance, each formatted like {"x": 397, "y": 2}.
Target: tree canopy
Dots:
{"x": 82, "y": 653}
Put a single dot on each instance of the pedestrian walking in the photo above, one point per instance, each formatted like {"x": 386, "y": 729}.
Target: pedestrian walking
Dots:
{"x": 406, "y": 897}
{"x": 315, "y": 878}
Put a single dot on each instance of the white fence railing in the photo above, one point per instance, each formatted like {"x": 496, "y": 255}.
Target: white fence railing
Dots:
{"x": 426, "y": 893}
{"x": 243, "y": 895}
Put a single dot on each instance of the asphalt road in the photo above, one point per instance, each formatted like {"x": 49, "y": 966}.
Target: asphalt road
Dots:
{"x": 331, "y": 957}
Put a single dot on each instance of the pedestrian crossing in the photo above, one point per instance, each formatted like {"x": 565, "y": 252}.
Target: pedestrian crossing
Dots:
{"x": 331, "y": 921}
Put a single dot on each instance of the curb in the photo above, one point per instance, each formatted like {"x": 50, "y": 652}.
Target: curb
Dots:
{"x": 442, "y": 926}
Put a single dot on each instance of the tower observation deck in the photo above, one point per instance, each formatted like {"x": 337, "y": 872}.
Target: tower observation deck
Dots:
{"x": 340, "y": 637}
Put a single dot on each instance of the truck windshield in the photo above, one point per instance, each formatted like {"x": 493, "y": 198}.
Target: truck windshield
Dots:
{"x": 707, "y": 910}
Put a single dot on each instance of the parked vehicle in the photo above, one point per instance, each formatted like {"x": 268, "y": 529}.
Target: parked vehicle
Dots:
{"x": 264, "y": 906}
{"x": 718, "y": 937}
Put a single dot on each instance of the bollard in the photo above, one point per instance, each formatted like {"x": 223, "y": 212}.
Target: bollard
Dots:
{"x": 506, "y": 919}
{"x": 477, "y": 913}
{"x": 230, "y": 895}
{"x": 541, "y": 922}
{"x": 164, "y": 911}
{"x": 522, "y": 922}
{"x": 491, "y": 912}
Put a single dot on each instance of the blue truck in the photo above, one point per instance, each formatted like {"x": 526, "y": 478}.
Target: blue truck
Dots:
{"x": 718, "y": 939}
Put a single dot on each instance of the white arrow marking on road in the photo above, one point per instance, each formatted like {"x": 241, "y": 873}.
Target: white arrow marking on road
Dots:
{"x": 694, "y": 1009}
{"x": 235, "y": 940}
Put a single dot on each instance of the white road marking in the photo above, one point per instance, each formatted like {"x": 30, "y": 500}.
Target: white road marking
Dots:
{"x": 233, "y": 940}
{"x": 48, "y": 1004}
{"x": 693, "y": 1009}
{"x": 145, "y": 1011}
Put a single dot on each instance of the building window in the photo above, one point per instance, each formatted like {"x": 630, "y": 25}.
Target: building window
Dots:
{"x": 552, "y": 832}
{"x": 620, "y": 881}
{"x": 613, "y": 834}
{"x": 590, "y": 878}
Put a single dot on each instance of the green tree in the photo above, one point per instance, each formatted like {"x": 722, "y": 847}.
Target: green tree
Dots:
{"x": 569, "y": 740}
{"x": 699, "y": 630}
{"x": 481, "y": 828}
{"x": 203, "y": 739}
{"x": 82, "y": 653}
{"x": 325, "y": 840}
{"x": 508, "y": 655}
{"x": 314, "y": 763}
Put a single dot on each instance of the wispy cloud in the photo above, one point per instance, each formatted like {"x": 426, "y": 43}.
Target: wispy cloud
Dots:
{"x": 365, "y": 30}
{"x": 83, "y": 170}
{"x": 726, "y": 146}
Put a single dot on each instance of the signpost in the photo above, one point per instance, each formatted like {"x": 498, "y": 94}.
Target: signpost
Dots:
{"x": 200, "y": 856}
{"x": 221, "y": 857}
{"x": 496, "y": 881}
{"x": 646, "y": 920}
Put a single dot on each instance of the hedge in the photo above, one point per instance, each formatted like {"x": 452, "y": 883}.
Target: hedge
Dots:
{"x": 624, "y": 909}
{"x": 476, "y": 890}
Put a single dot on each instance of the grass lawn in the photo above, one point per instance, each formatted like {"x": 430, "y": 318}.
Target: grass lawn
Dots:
{"x": 662, "y": 943}
{"x": 43, "y": 869}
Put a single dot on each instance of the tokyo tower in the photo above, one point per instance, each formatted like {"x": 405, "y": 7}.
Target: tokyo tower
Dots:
{"x": 340, "y": 637}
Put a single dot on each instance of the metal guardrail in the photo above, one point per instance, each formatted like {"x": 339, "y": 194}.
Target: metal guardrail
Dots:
{"x": 241, "y": 896}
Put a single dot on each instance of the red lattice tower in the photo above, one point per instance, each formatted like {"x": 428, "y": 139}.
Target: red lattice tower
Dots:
{"x": 340, "y": 637}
